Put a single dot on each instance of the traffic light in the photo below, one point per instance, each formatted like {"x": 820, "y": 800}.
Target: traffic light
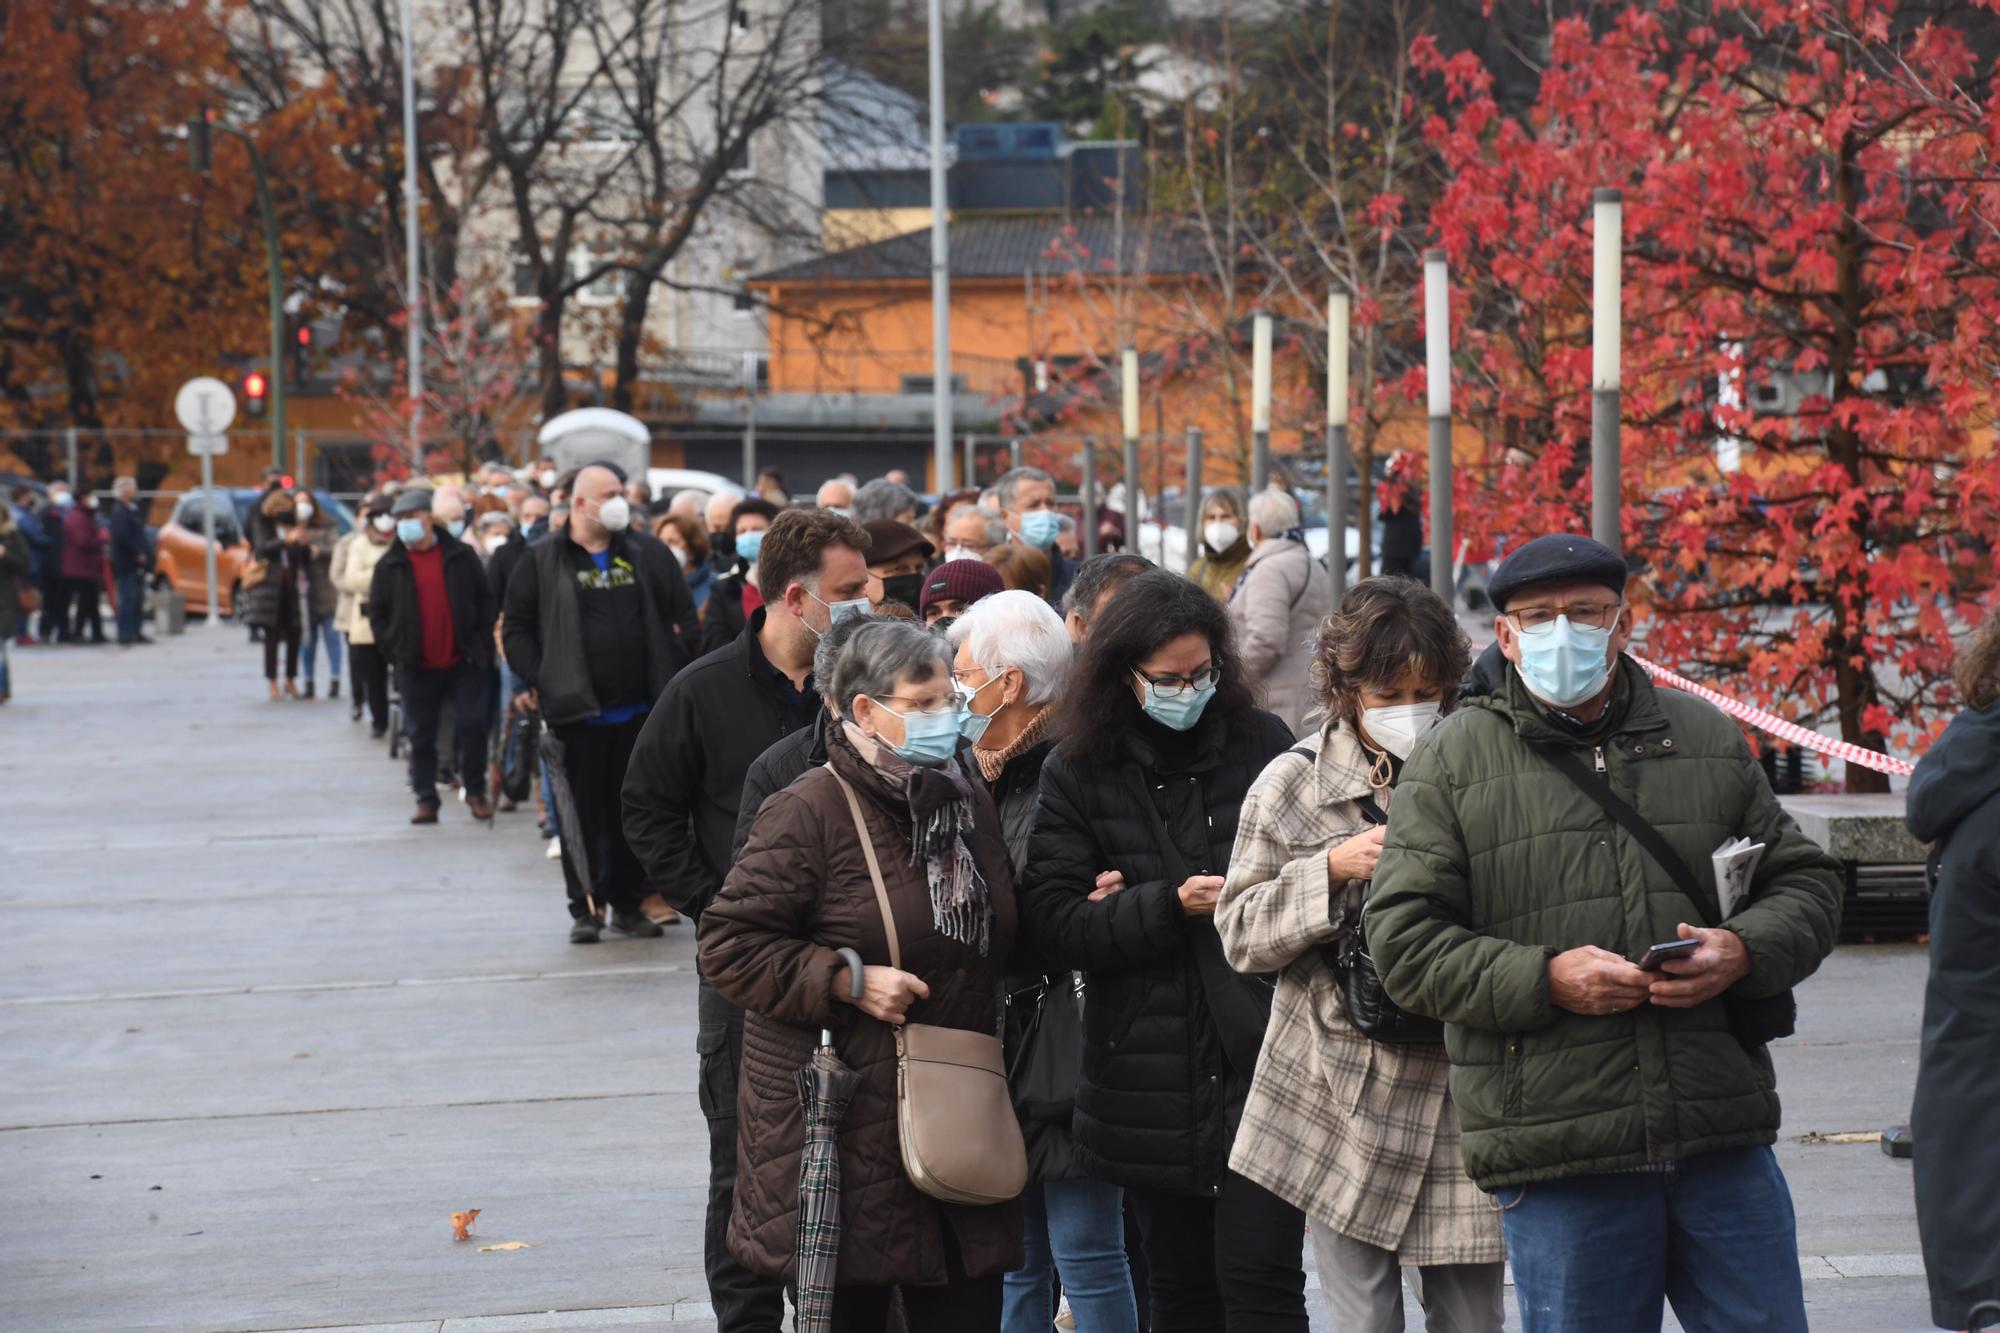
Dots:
{"x": 302, "y": 341}
{"x": 201, "y": 154}
{"x": 256, "y": 393}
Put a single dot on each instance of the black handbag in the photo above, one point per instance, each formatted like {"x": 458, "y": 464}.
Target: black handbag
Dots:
{"x": 519, "y": 746}
{"x": 1045, "y": 1064}
{"x": 1753, "y": 1022}
{"x": 1369, "y": 1009}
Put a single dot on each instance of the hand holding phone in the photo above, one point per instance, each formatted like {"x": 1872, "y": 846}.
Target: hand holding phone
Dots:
{"x": 1660, "y": 953}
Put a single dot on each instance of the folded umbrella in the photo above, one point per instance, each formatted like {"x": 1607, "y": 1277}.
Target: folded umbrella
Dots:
{"x": 826, "y": 1086}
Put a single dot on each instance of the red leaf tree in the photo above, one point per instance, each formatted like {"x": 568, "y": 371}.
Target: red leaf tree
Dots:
{"x": 1811, "y": 296}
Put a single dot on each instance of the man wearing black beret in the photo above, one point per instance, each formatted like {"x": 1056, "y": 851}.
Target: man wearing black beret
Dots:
{"x": 1619, "y": 1106}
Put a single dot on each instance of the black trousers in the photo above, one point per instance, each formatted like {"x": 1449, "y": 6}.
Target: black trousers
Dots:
{"x": 288, "y": 635}
{"x": 55, "y": 608}
{"x": 599, "y": 868}
{"x": 745, "y": 1302}
{"x": 1231, "y": 1261}
{"x": 424, "y": 696}
{"x": 371, "y": 681}
{"x": 962, "y": 1305}
{"x": 86, "y": 607}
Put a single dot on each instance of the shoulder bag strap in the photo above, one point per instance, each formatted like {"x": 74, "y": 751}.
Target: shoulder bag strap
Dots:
{"x": 1566, "y": 763}
{"x": 874, "y": 868}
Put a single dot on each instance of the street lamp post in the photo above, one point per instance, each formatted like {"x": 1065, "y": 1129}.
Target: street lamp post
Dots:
{"x": 1437, "y": 366}
{"x": 274, "y": 267}
{"x": 940, "y": 261}
{"x": 412, "y": 245}
{"x": 1337, "y": 322}
{"x": 1128, "y": 375}
{"x": 1260, "y": 401}
{"x": 1607, "y": 246}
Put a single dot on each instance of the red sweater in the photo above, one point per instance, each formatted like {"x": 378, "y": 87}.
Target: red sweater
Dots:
{"x": 437, "y": 648}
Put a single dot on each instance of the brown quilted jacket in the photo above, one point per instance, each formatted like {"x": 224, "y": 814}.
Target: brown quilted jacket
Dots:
{"x": 800, "y": 890}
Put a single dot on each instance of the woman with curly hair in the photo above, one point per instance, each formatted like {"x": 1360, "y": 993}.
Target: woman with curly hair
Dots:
{"x": 1381, "y": 1181}
{"x": 1138, "y": 812}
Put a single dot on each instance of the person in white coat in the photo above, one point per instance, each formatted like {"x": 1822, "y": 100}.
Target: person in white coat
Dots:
{"x": 354, "y": 560}
{"x": 1277, "y": 607}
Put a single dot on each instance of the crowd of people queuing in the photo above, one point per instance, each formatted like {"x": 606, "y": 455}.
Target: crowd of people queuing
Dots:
{"x": 60, "y": 554}
{"x": 1296, "y": 923}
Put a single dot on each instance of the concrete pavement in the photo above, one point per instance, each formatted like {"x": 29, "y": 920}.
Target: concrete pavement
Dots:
{"x": 259, "y": 1038}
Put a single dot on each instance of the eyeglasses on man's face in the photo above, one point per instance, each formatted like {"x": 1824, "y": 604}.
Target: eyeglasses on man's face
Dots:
{"x": 1166, "y": 687}
{"x": 1585, "y": 615}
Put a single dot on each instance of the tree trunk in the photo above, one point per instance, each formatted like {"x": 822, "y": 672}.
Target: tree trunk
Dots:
{"x": 631, "y": 331}
{"x": 549, "y": 362}
{"x": 1855, "y": 690}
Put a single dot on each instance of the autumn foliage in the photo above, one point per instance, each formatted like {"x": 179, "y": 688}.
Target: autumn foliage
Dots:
{"x": 1812, "y": 223}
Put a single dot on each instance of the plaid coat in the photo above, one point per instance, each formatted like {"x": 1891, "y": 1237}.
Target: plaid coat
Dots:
{"x": 1361, "y": 1135}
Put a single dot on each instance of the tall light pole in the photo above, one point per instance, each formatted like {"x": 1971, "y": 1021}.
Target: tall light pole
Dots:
{"x": 1607, "y": 254}
{"x": 1260, "y": 401}
{"x": 1128, "y": 386}
{"x": 1338, "y": 317}
{"x": 1437, "y": 367}
{"x": 940, "y": 262}
{"x": 414, "y": 301}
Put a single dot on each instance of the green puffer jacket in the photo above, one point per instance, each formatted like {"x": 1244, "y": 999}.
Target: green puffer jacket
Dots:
{"x": 1495, "y": 863}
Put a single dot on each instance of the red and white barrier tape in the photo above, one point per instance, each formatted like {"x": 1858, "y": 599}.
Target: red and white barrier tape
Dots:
{"x": 1845, "y": 751}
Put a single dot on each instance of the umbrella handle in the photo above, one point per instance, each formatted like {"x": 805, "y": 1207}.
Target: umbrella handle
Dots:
{"x": 853, "y": 961}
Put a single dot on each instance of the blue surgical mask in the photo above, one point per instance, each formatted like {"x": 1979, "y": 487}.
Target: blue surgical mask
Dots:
{"x": 1176, "y": 711}
{"x": 1039, "y": 528}
{"x": 928, "y": 738}
{"x": 1566, "y": 664}
{"x": 839, "y": 611}
{"x": 412, "y": 530}
{"x": 748, "y": 544}
{"x": 456, "y": 527}
{"x": 973, "y": 725}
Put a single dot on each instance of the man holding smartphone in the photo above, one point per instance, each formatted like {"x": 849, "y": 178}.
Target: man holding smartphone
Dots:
{"x": 1603, "y": 1021}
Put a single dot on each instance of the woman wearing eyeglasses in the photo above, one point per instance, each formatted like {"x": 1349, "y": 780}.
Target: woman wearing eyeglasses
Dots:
{"x": 1138, "y": 813}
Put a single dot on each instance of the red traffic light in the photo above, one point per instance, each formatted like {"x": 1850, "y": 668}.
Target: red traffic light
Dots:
{"x": 305, "y": 335}
{"x": 256, "y": 390}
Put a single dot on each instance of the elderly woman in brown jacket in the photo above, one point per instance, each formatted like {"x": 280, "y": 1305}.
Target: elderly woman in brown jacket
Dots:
{"x": 800, "y": 892}
{"x": 1359, "y": 1134}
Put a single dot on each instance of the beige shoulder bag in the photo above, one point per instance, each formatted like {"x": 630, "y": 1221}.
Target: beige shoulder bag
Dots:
{"x": 961, "y": 1142}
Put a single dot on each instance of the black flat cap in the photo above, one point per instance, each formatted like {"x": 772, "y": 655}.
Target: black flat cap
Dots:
{"x": 1556, "y": 559}
{"x": 416, "y": 500}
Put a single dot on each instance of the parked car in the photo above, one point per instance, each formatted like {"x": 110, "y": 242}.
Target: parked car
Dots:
{"x": 178, "y": 556}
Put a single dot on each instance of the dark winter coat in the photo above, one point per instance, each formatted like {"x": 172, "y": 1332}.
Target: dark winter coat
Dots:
{"x": 274, "y": 603}
{"x": 800, "y": 891}
{"x": 322, "y": 598}
{"x": 83, "y": 545}
{"x": 1157, "y": 1105}
{"x": 776, "y": 769}
{"x": 1017, "y": 798}
{"x": 685, "y": 782}
{"x": 1954, "y": 801}
{"x": 722, "y": 620}
{"x": 393, "y": 613}
{"x": 544, "y": 629}
{"x": 131, "y": 550}
{"x": 15, "y": 563}
{"x": 500, "y": 568}
{"x": 1495, "y": 863}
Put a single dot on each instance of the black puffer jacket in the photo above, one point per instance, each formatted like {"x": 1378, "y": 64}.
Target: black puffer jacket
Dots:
{"x": 1159, "y": 1097}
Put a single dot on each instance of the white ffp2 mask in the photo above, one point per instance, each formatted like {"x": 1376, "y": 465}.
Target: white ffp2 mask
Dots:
{"x": 1397, "y": 728}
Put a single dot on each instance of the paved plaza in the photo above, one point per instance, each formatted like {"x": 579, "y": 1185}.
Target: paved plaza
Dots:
{"x": 259, "y": 1038}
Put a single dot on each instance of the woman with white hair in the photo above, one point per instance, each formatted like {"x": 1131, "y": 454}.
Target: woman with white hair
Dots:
{"x": 1277, "y": 608}
{"x": 1011, "y": 661}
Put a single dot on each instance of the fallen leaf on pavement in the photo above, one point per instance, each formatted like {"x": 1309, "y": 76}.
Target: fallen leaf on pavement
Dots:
{"x": 507, "y": 1245}
{"x": 461, "y": 1224}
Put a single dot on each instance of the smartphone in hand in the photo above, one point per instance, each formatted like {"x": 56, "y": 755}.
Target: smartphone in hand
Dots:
{"x": 1660, "y": 953}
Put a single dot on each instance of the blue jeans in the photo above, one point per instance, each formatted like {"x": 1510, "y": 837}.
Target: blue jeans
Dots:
{"x": 1714, "y": 1234}
{"x": 131, "y": 602}
{"x": 316, "y": 628}
{"x": 1075, "y": 1228}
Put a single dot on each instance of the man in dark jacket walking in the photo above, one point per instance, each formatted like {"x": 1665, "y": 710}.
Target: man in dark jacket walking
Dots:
{"x": 432, "y": 612}
{"x": 1955, "y": 803}
{"x": 598, "y": 621}
{"x": 131, "y": 560}
{"x": 1622, "y": 1116}
{"x": 682, "y": 794}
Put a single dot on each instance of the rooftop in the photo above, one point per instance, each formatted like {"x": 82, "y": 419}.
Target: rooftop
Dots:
{"x": 1008, "y": 247}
